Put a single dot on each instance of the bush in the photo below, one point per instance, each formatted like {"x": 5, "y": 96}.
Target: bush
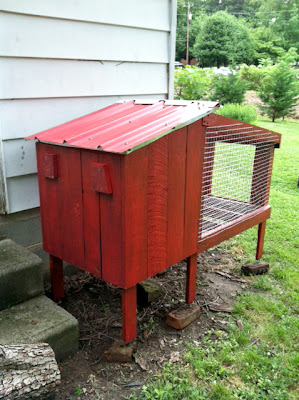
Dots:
{"x": 228, "y": 89}
{"x": 240, "y": 112}
{"x": 191, "y": 83}
{"x": 252, "y": 76}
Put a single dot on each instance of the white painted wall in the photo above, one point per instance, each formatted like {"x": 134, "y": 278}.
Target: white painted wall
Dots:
{"x": 63, "y": 59}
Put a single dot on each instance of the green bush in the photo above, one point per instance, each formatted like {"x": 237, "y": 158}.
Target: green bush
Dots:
{"x": 191, "y": 83}
{"x": 240, "y": 112}
{"x": 252, "y": 76}
{"x": 228, "y": 89}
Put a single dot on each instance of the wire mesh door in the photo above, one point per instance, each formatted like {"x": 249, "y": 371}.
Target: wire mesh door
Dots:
{"x": 236, "y": 176}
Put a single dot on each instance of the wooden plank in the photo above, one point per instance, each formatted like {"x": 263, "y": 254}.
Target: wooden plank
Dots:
{"x": 111, "y": 223}
{"x": 61, "y": 210}
{"x": 91, "y": 215}
{"x": 39, "y": 37}
{"x": 191, "y": 278}
{"x": 65, "y": 78}
{"x": 22, "y": 193}
{"x": 40, "y": 114}
{"x": 56, "y": 277}
{"x": 135, "y": 216}
{"x": 193, "y": 191}
{"x": 152, "y": 14}
{"x": 260, "y": 240}
{"x": 229, "y": 232}
{"x": 129, "y": 317}
{"x": 157, "y": 205}
{"x": 177, "y": 142}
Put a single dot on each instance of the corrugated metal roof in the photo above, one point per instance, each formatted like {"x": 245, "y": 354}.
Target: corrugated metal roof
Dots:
{"x": 127, "y": 125}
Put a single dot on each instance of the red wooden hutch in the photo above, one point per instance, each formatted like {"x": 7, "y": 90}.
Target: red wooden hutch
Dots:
{"x": 129, "y": 190}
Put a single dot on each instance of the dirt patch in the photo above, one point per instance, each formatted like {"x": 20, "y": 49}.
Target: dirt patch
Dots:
{"x": 97, "y": 306}
{"x": 253, "y": 99}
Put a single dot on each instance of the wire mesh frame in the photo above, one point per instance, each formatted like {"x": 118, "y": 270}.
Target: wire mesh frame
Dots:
{"x": 236, "y": 176}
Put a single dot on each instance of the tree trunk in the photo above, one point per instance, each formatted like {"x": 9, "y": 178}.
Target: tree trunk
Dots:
{"x": 28, "y": 371}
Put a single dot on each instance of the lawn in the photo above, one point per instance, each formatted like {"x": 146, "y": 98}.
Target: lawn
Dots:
{"x": 262, "y": 360}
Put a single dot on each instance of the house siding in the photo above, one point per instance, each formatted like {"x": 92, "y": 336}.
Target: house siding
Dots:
{"x": 60, "y": 60}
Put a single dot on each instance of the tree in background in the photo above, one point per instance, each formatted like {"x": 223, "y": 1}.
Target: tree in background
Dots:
{"x": 223, "y": 40}
{"x": 228, "y": 89}
{"x": 279, "y": 90}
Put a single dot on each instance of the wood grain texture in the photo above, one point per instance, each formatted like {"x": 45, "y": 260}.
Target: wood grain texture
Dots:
{"x": 191, "y": 278}
{"x": 157, "y": 205}
{"x": 111, "y": 223}
{"x": 260, "y": 240}
{"x": 177, "y": 142}
{"x": 193, "y": 190}
{"x": 91, "y": 215}
{"x": 61, "y": 205}
{"x": 129, "y": 306}
{"x": 134, "y": 188}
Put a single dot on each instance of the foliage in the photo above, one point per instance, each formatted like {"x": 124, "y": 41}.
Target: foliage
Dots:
{"x": 252, "y": 75}
{"x": 228, "y": 89}
{"x": 223, "y": 40}
{"x": 279, "y": 91}
{"x": 191, "y": 83}
{"x": 261, "y": 361}
{"x": 240, "y": 112}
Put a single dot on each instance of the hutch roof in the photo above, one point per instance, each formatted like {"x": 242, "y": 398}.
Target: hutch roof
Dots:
{"x": 127, "y": 125}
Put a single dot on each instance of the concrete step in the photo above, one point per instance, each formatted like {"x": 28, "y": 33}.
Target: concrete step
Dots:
{"x": 21, "y": 275}
{"x": 40, "y": 320}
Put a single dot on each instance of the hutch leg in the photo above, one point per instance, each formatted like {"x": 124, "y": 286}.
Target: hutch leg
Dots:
{"x": 191, "y": 278}
{"x": 56, "y": 277}
{"x": 129, "y": 305}
{"x": 260, "y": 240}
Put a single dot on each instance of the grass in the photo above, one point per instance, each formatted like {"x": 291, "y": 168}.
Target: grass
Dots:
{"x": 262, "y": 361}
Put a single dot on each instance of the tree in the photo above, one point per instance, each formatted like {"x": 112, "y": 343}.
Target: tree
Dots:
{"x": 228, "y": 89}
{"x": 191, "y": 83}
{"x": 279, "y": 91}
{"x": 223, "y": 40}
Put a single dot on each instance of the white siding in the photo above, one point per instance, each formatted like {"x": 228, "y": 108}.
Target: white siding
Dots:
{"x": 62, "y": 59}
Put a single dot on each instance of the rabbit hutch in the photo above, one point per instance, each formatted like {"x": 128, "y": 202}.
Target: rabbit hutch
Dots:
{"x": 132, "y": 189}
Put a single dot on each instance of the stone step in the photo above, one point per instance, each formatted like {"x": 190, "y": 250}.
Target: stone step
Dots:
{"x": 40, "y": 320}
{"x": 21, "y": 275}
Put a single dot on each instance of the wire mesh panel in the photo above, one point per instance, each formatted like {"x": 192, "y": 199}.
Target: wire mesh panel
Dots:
{"x": 236, "y": 175}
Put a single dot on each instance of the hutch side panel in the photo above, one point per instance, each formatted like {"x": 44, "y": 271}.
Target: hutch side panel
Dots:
{"x": 60, "y": 185}
{"x": 135, "y": 216}
{"x": 111, "y": 226}
{"x": 177, "y": 143}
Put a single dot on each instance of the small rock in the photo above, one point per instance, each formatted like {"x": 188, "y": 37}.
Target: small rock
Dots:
{"x": 147, "y": 292}
{"x": 120, "y": 352}
{"x": 183, "y": 316}
{"x": 255, "y": 268}
{"x": 239, "y": 324}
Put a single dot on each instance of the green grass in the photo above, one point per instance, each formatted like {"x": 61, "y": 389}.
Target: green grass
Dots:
{"x": 262, "y": 361}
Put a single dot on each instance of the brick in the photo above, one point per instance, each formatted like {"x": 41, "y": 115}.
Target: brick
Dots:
{"x": 255, "y": 268}
{"x": 183, "y": 316}
{"x": 120, "y": 352}
{"x": 147, "y": 292}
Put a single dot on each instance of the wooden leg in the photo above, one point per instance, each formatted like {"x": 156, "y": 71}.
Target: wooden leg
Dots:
{"x": 56, "y": 277}
{"x": 129, "y": 305}
{"x": 260, "y": 240}
{"x": 191, "y": 278}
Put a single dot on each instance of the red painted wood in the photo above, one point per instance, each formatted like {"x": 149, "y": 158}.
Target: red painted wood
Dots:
{"x": 260, "y": 240}
{"x": 241, "y": 226}
{"x": 157, "y": 205}
{"x": 191, "y": 278}
{"x": 135, "y": 216}
{"x": 101, "y": 181}
{"x": 177, "y": 142}
{"x": 111, "y": 227}
{"x": 91, "y": 215}
{"x": 194, "y": 169}
{"x": 129, "y": 306}
{"x": 56, "y": 277}
{"x": 49, "y": 166}
{"x": 61, "y": 205}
